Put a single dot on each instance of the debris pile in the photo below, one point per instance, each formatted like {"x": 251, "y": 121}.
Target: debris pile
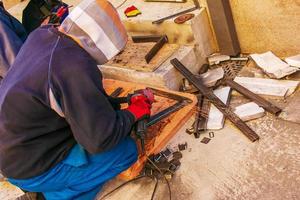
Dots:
{"x": 216, "y": 80}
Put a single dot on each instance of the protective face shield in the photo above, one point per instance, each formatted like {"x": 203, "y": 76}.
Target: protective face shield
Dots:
{"x": 96, "y": 26}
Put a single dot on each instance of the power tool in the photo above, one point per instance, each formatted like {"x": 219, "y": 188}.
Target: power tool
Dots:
{"x": 141, "y": 125}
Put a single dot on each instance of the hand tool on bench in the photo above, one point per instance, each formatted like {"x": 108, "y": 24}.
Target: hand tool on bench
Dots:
{"x": 208, "y": 93}
{"x": 181, "y": 102}
{"x": 196, "y": 6}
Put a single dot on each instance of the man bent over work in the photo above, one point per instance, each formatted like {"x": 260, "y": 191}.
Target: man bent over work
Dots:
{"x": 59, "y": 132}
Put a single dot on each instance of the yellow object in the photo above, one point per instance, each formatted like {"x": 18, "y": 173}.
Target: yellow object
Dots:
{"x": 133, "y": 13}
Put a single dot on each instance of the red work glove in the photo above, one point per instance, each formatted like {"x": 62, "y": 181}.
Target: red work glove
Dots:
{"x": 140, "y": 106}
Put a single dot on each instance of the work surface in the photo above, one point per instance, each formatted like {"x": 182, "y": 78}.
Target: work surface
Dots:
{"x": 159, "y": 134}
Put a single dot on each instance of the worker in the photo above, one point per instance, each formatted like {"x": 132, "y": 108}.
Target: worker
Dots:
{"x": 59, "y": 132}
{"x": 12, "y": 37}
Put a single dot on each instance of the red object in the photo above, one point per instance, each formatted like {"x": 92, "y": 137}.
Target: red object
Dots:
{"x": 61, "y": 11}
{"x": 129, "y": 9}
{"x": 147, "y": 93}
{"x": 140, "y": 106}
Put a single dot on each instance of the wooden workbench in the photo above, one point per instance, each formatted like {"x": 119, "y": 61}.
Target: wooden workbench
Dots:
{"x": 160, "y": 134}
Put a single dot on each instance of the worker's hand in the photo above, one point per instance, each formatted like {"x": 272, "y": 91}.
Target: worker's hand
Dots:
{"x": 140, "y": 106}
{"x": 147, "y": 93}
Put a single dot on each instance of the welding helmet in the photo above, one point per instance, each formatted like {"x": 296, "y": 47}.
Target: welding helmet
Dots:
{"x": 97, "y": 27}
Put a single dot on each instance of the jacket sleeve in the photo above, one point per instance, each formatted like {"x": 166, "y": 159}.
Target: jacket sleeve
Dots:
{"x": 11, "y": 44}
{"x": 94, "y": 122}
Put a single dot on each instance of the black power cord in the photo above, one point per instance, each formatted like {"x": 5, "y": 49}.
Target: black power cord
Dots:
{"x": 140, "y": 177}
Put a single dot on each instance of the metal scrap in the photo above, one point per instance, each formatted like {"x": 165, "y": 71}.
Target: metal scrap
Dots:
{"x": 196, "y": 6}
{"x": 183, "y": 18}
{"x": 205, "y": 140}
{"x": 208, "y": 93}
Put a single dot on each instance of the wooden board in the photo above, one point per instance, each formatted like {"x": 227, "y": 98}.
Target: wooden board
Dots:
{"x": 133, "y": 56}
{"x": 158, "y": 135}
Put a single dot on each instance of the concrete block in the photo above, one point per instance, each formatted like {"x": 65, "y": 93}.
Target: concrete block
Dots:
{"x": 166, "y": 76}
{"x": 249, "y": 111}
{"x": 216, "y": 118}
{"x": 268, "y": 87}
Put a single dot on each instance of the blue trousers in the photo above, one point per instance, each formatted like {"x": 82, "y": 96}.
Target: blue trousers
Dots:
{"x": 81, "y": 175}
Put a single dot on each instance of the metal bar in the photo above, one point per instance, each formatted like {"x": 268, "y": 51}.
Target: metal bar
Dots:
{"x": 197, "y": 6}
{"x": 146, "y": 38}
{"x": 174, "y": 15}
{"x": 204, "y": 112}
{"x": 268, "y": 106}
{"x": 204, "y": 68}
{"x": 198, "y": 116}
{"x": 117, "y": 92}
{"x": 165, "y": 113}
{"x": 208, "y": 93}
{"x": 168, "y": 95}
{"x": 162, "y": 41}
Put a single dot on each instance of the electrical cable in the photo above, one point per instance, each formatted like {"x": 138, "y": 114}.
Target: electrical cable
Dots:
{"x": 143, "y": 176}
{"x": 169, "y": 187}
{"x": 154, "y": 190}
{"x": 123, "y": 184}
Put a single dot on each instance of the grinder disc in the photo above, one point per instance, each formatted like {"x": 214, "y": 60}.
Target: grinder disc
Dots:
{"x": 183, "y": 18}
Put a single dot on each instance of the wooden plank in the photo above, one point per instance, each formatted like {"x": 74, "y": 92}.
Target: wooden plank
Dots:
{"x": 159, "y": 134}
{"x": 216, "y": 118}
{"x": 133, "y": 56}
{"x": 249, "y": 111}
{"x": 268, "y": 87}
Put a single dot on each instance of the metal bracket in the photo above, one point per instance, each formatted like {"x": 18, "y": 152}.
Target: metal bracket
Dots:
{"x": 160, "y": 42}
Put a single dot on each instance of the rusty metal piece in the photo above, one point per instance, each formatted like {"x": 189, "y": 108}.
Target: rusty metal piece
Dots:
{"x": 211, "y": 134}
{"x": 268, "y": 106}
{"x": 201, "y": 116}
{"x": 208, "y": 93}
{"x": 197, "y": 6}
{"x": 190, "y": 130}
{"x": 117, "y": 92}
{"x": 161, "y": 42}
{"x": 204, "y": 68}
{"x": 183, "y": 18}
{"x": 183, "y": 146}
{"x": 146, "y": 38}
{"x": 205, "y": 140}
